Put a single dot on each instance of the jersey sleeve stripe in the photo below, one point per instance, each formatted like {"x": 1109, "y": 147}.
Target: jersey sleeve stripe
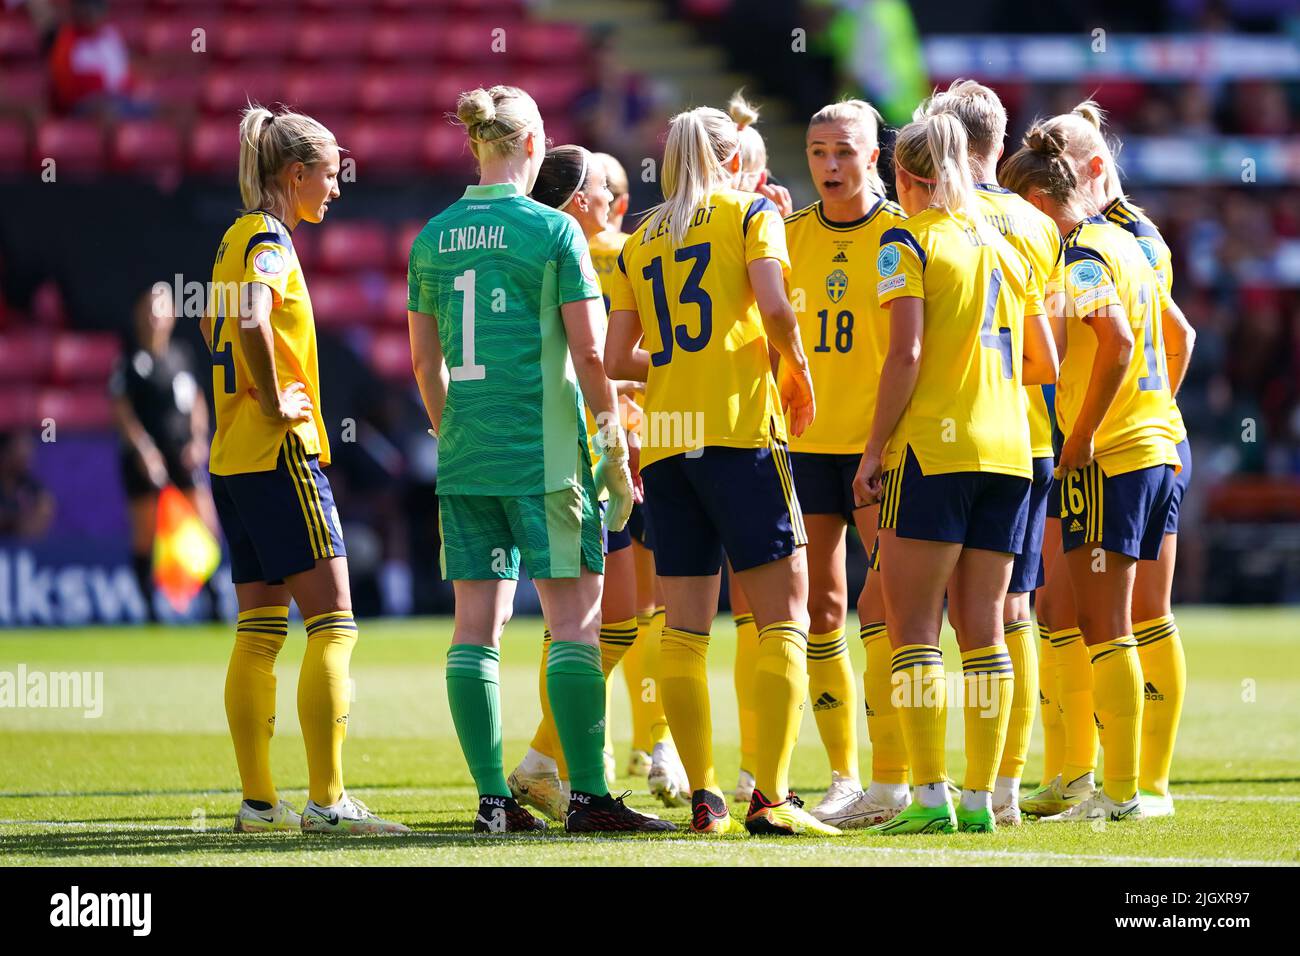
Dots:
{"x": 761, "y": 204}
{"x": 1079, "y": 253}
{"x": 260, "y": 238}
{"x": 903, "y": 238}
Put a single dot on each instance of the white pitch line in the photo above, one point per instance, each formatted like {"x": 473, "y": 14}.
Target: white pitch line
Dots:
{"x": 1245, "y": 798}
{"x": 814, "y": 849}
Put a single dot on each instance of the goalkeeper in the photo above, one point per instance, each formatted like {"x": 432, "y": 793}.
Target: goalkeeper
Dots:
{"x": 505, "y": 311}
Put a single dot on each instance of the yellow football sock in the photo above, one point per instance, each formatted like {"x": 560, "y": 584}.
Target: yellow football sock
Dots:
{"x": 324, "y": 699}
{"x": 1117, "y": 699}
{"x": 250, "y": 696}
{"x": 1019, "y": 636}
{"x": 659, "y": 732}
{"x": 989, "y": 696}
{"x": 1164, "y": 676}
{"x": 547, "y": 739}
{"x": 746, "y": 669}
{"x": 1075, "y": 688}
{"x": 780, "y": 687}
{"x": 616, "y": 639}
{"x": 1049, "y": 698}
{"x": 921, "y": 697}
{"x": 634, "y": 674}
{"x": 684, "y": 683}
{"x": 888, "y": 751}
{"x": 834, "y": 699}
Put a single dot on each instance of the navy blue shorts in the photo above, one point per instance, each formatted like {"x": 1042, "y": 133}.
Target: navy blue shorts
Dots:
{"x": 1125, "y": 514}
{"x": 975, "y": 509}
{"x": 740, "y": 499}
{"x": 1027, "y": 570}
{"x": 638, "y": 526}
{"x": 280, "y": 522}
{"x": 1181, "y": 481}
{"x": 825, "y": 483}
{"x": 618, "y": 540}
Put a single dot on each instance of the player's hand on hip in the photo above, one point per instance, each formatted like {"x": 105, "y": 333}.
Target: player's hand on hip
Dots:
{"x": 1076, "y": 453}
{"x": 797, "y": 400}
{"x": 293, "y": 405}
{"x": 866, "y": 483}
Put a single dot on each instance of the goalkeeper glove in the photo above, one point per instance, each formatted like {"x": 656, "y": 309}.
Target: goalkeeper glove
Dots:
{"x": 614, "y": 477}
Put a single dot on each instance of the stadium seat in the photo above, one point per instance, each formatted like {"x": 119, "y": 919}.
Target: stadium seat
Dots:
{"x": 469, "y": 40}
{"x": 25, "y": 86}
{"x": 559, "y": 43}
{"x": 172, "y": 37}
{"x": 87, "y": 408}
{"x": 169, "y": 87}
{"x": 227, "y": 89}
{"x": 553, "y": 89}
{"x": 214, "y": 147}
{"x": 390, "y": 356}
{"x": 420, "y": 40}
{"x": 339, "y": 302}
{"x": 446, "y": 148}
{"x": 145, "y": 146}
{"x": 306, "y": 245}
{"x": 47, "y": 306}
{"x": 15, "y": 143}
{"x": 313, "y": 90}
{"x": 383, "y": 146}
{"x": 18, "y": 408}
{"x": 403, "y": 239}
{"x": 395, "y": 301}
{"x": 351, "y": 246}
{"x": 18, "y": 40}
{"x": 399, "y": 91}
{"x": 331, "y": 39}
{"x": 84, "y": 357}
{"x": 255, "y": 39}
{"x": 76, "y": 146}
{"x": 26, "y": 355}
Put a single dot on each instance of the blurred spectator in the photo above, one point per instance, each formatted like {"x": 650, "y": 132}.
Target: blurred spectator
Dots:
{"x": 26, "y": 508}
{"x": 162, "y": 421}
{"x": 90, "y": 66}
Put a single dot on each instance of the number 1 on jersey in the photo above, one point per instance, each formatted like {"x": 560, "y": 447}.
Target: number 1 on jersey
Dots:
{"x": 468, "y": 370}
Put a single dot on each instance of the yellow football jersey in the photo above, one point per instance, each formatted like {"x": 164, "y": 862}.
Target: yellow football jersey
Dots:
{"x": 845, "y": 330}
{"x": 710, "y": 380}
{"x": 1034, "y": 236}
{"x": 258, "y": 248}
{"x": 968, "y": 411}
{"x": 605, "y": 247}
{"x": 1104, "y": 266}
{"x": 1135, "y": 222}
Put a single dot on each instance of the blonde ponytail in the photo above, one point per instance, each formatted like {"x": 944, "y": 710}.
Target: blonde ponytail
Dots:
{"x": 268, "y": 142}
{"x": 700, "y": 142}
{"x": 865, "y": 117}
{"x": 497, "y": 119}
{"x": 753, "y": 151}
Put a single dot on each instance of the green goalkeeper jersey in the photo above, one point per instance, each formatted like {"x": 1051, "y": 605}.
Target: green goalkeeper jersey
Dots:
{"x": 494, "y": 269}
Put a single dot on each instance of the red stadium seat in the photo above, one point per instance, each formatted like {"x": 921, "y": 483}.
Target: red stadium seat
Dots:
{"x": 549, "y": 43}
{"x": 390, "y": 355}
{"x": 15, "y": 145}
{"x": 87, "y": 408}
{"x": 173, "y": 87}
{"x": 327, "y": 38}
{"x": 76, "y": 146}
{"x": 85, "y": 356}
{"x": 421, "y": 40}
{"x": 173, "y": 37}
{"x": 394, "y": 306}
{"x": 399, "y": 91}
{"x": 446, "y": 148}
{"x": 263, "y": 39}
{"x": 470, "y": 40}
{"x": 315, "y": 90}
{"x": 553, "y": 89}
{"x": 340, "y": 303}
{"x": 47, "y": 306}
{"x": 351, "y": 246}
{"x": 228, "y": 89}
{"x": 403, "y": 239}
{"x": 386, "y": 145}
{"x": 26, "y": 355}
{"x": 19, "y": 408}
{"x": 25, "y": 85}
{"x": 214, "y": 147}
{"x": 18, "y": 40}
{"x": 145, "y": 146}
{"x": 306, "y": 245}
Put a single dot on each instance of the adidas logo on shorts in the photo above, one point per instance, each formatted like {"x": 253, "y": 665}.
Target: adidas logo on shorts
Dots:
{"x": 1075, "y": 526}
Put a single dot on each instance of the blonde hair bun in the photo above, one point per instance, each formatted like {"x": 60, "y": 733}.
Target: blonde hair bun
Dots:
{"x": 741, "y": 110}
{"x": 475, "y": 108}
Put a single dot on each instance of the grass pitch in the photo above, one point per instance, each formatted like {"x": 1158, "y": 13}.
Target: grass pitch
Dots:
{"x": 153, "y": 780}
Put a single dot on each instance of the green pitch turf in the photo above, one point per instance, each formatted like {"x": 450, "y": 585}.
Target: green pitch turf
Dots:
{"x": 153, "y": 781}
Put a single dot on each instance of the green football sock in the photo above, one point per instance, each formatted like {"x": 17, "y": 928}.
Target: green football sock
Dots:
{"x": 576, "y": 686}
{"x": 474, "y": 694}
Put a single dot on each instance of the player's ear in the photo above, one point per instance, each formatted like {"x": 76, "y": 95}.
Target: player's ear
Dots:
{"x": 1096, "y": 167}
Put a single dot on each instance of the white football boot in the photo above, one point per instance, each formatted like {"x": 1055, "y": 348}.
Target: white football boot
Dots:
{"x": 280, "y": 817}
{"x": 843, "y": 792}
{"x": 744, "y": 788}
{"x": 1100, "y": 807}
{"x": 349, "y": 817}
{"x": 667, "y": 778}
